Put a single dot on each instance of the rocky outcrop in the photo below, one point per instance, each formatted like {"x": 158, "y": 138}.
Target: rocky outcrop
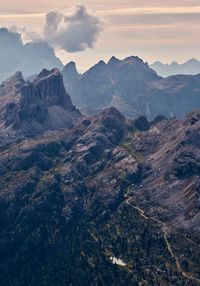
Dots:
{"x": 51, "y": 87}
{"x": 141, "y": 123}
{"x": 45, "y": 105}
{"x": 186, "y": 165}
{"x": 35, "y": 107}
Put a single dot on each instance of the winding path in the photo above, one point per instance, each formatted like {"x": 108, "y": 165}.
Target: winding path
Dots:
{"x": 165, "y": 234}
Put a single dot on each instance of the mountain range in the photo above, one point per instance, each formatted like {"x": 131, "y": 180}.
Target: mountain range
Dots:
{"x": 191, "y": 67}
{"x": 130, "y": 85}
{"x": 100, "y": 199}
{"x": 133, "y": 88}
{"x": 29, "y": 58}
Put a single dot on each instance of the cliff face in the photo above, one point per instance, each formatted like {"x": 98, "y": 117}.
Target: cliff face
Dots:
{"x": 37, "y": 106}
{"x": 45, "y": 104}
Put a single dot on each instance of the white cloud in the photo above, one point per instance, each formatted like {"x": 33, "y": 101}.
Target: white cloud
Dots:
{"x": 72, "y": 33}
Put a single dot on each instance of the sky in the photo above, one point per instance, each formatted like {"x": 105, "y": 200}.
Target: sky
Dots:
{"x": 151, "y": 29}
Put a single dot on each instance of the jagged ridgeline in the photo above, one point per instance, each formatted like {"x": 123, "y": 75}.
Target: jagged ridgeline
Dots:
{"x": 133, "y": 88}
{"x": 192, "y": 66}
{"x": 95, "y": 200}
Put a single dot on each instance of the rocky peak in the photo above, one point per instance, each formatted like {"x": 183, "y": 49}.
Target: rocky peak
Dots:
{"x": 10, "y": 38}
{"x": 13, "y": 85}
{"x": 51, "y": 88}
{"x": 43, "y": 56}
{"x": 70, "y": 69}
{"x": 42, "y": 104}
{"x": 29, "y": 58}
{"x": 113, "y": 120}
{"x": 98, "y": 68}
{"x": 192, "y": 61}
{"x": 133, "y": 59}
{"x": 70, "y": 74}
{"x": 113, "y": 60}
{"x": 137, "y": 62}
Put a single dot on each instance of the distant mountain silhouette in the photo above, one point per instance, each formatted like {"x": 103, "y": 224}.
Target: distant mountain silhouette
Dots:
{"x": 133, "y": 87}
{"x": 30, "y": 58}
{"x": 192, "y": 67}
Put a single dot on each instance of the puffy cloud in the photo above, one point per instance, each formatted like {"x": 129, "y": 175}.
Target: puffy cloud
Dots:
{"x": 73, "y": 33}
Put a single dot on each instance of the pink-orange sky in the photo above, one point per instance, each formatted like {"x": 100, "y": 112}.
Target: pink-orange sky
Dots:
{"x": 152, "y": 29}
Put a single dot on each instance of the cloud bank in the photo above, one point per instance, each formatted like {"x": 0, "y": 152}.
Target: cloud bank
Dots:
{"x": 72, "y": 33}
